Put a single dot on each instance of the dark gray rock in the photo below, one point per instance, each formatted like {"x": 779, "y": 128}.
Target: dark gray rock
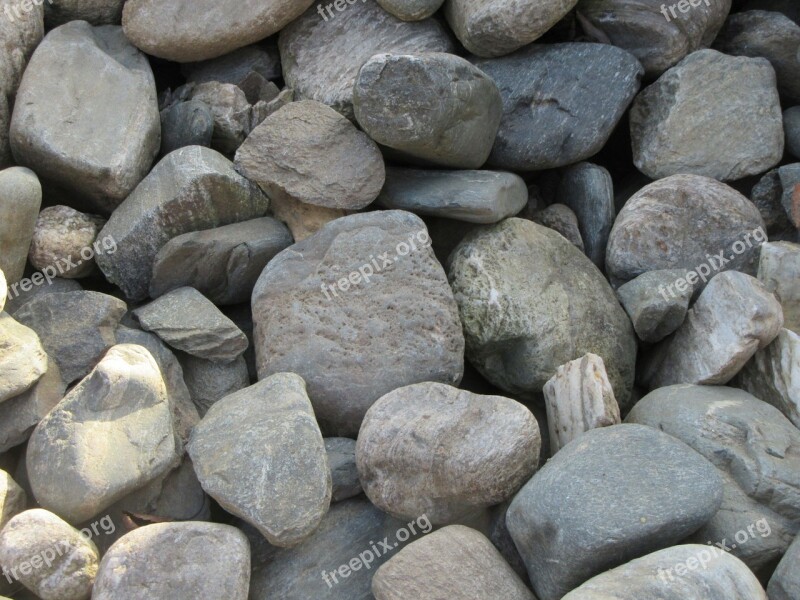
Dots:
{"x": 578, "y": 516}
{"x": 210, "y": 381}
{"x": 785, "y": 582}
{"x": 342, "y": 462}
{"x": 655, "y": 312}
{"x": 791, "y": 128}
{"x": 411, "y": 10}
{"x": 236, "y": 66}
{"x": 787, "y": 7}
{"x": 96, "y": 12}
{"x": 184, "y": 124}
{"x": 231, "y": 111}
{"x": 22, "y": 198}
{"x": 790, "y": 182}
{"x": 767, "y": 195}
{"x": 562, "y": 219}
{"x": 58, "y": 285}
{"x": 560, "y": 102}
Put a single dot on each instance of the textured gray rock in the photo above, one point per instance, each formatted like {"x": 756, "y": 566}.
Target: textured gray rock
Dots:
{"x": 688, "y": 571}
{"x": 685, "y": 222}
{"x": 22, "y": 297}
{"x": 689, "y": 121}
{"x": 191, "y": 189}
{"x": 560, "y": 102}
{"x": 789, "y": 176}
{"x": 176, "y": 560}
{"x": 21, "y": 30}
{"x": 791, "y": 128}
{"x": 498, "y": 27}
{"x": 647, "y": 29}
{"x": 433, "y": 107}
{"x": 353, "y": 36}
{"x": 446, "y": 453}
{"x": 471, "y": 196}
{"x": 309, "y": 153}
{"x": 56, "y": 113}
{"x": 518, "y": 345}
{"x": 119, "y": 412}
{"x": 231, "y": 112}
{"x": 67, "y": 562}
{"x": 210, "y": 381}
{"x": 770, "y": 35}
{"x": 785, "y": 582}
{"x": 22, "y": 197}
{"x": 189, "y": 123}
{"x": 344, "y": 473}
{"x": 192, "y": 30}
{"x": 324, "y": 310}
{"x": 411, "y": 10}
{"x": 236, "y": 66}
{"x": 779, "y": 270}
{"x": 655, "y": 311}
{"x": 577, "y": 518}
{"x": 756, "y": 450}
{"x": 562, "y": 219}
{"x": 96, "y": 12}
{"x": 767, "y": 195}
{"x": 12, "y": 498}
{"x": 188, "y": 321}
{"x": 455, "y": 563}
{"x": 733, "y": 318}
{"x": 22, "y": 359}
{"x": 64, "y": 237}
{"x": 75, "y": 328}
{"x": 260, "y": 454}
{"x": 223, "y": 263}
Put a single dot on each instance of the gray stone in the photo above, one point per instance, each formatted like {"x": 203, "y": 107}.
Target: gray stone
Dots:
{"x": 770, "y": 35}
{"x": 72, "y": 566}
{"x": 733, "y": 318}
{"x": 176, "y": 560}
{"x": 779, "y": 270}
{"x": 75, "y": 328}
{"x": 657, "y": 38}
{"x": 21, "y": 196}
{"x": 577, "y": 517}
{"x": 446, "y": 453}
{"x": 236, "y": 66}
{"x": 454, "y": 563}
{"x": 755, "y": 449}
{"x": 119, "y": 413}
{"x": 196, "y": 30}
{"x": 188, "y": 321}
{"x": 260, "y": 454}
{"x": 56, "y": 113}
{"x": 6, "y": 159}
{"x": 309, "y": 153}
{"x": 64, "y": 237}
{"x": 22, "y": 359}
{"x": 96, "y": 12}
{"x": 471, "y": 196}
{"x": 790, "y": 181}
{"x": 210, "y": 381}
{"x": 189, "y": 123}
{"x": 655, "y": 311}
{"x": 17, "y": 297}
{"x": 353, "y": 36}
{"x": 344, "y": 473}
{"x": 433, "y": 107}
{"x": 324, "y": 310}
{"x": 787, "y": 7}
{"x": 191, "y": 189}
{"x": 791, "y": 128}
{"x": 588, "y": 190}
{"x": 686, "y": 222}
{"x": 223, "y": 263}
{"x": 560, "y": 102}
{"x": 411, "y": 10}
{"x": 562, "y": 219}
{"x": 12, "y": 498}
{"x": 785, "y": 582}
{"x": 517, "y": 344}
{"x": 767, "y": 195}
{"x": 497, "y": 27}
{"x": 231, "y": 112}
{"x": 21, "y": 30}
{"x": 715, "y": 576}
{"x": 690, "y": 120}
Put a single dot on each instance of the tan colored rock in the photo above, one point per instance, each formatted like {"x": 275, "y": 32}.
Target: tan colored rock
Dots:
{"x": 13, "y": 499}
{"x": 22, "y": 359}
{"x": 304, "y": 220}
{"x": 779, "y": 269}
{"x": 63, "y": 237}
{"x": 21, "y": 195}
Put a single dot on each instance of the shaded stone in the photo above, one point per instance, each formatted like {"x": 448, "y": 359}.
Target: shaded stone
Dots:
{"x": 434, "y": 107}
{"x": 21, "y": 196}
{"x": 577, "y": 518}
{"x": 191, "y": 189}
{"x": 21, "y": 31}
{"x": 56, "y": 113}
{"x": 230, "y": 110}
{"x": 779, "y": 270}
{"x": 18, "y": 297}
{"x": 457, "y": 559}
{"x": 733, "y": 318}
{"x": 176, "y": 560}
{"x": 790, "y": 181}
{"x": 518, "y": 345}
{"x": 785, "y": 582}
{"x": 344, "y": 473}
{"x": 562, "y": 219}
{"x": 64, "y": 237}
{"x": 566, "y": 97}
{"x": 119, "y": 412}
{"x": 317, "y": 315}
{"x": 260, "y": 454}
{"x": 655, "y": 310}
{"x": 690, "y": 120}
{"x": 353, "y": 37}
{"x": 23, "y": 361}
{"x": 234, "y": 67}
{"x": 96, "y": 12}
{"x": 791, "y": 128}
{"x": 210, "y": 381}
{"x": 767, "y": 195}
{"x": 308, "y": 152}
{"x": 411, "y": 10}
{"x": 189, "y": 123}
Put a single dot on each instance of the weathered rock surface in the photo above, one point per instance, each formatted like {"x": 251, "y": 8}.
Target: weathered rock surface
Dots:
{"x": 120, "y": 412}
{"x": 12, "y": 498}
{"x": 342, "y": 463}
{"x": 309, "y": 153}
{"x": 789, "y": 176}
{"x": 353, "y": 37}
{"x": 755, "y": 449}
{"x": 193, "y": 188}
{"x": 560, "y": 102}
{"x": 779, "y": 270}
{"x": 767, "y": 195}
{"x": 562, "y": 219}
{"x": 690, "y": 120}
{"x": 434, "y": 107}
{"x": 230, "y": 110}
{"x": 22, "y": 197}
{"x": 518, "y": 345}
{"x": 189, "y": 123}
{"x": 235, "y": 67}
{"x": 97, "y": 141}
{"x": 577, "y": 517}
{"x": 270, "y": 429}
{"x": 304, "y": 220}
{"x": 63, "y": 237}
{"x": 17, "y": 297}
{"x": 96, "y": 12}
{"x": 21, "y": 30}
{"x": 324, "y": 310}
{"x": 422, "y": 449}
{"x": 23, "y": 361}
{"x": 656, "y": 309}
{"x": 456, "y": 563}
{"x": 411, "y": 10}
{"x": 210, "y": 381}
{"x": 176, "y": 560}
{"x": 785, "y": 582}
{"x": 733, "y": 318}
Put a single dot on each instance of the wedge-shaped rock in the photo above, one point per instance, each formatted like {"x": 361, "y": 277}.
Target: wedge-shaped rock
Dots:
{"x": 779, "y": 269}
{"x": 112, "y": 434}
{"x": 344, "y": 473}
{"x": 260, "y": 454}
{"x": 12, "y": 498}
{"x": 654, "y": 304}
{"x": 22, "y": 198}
{"x": 23, "y": 361}
{"x": 191, "y": 189}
